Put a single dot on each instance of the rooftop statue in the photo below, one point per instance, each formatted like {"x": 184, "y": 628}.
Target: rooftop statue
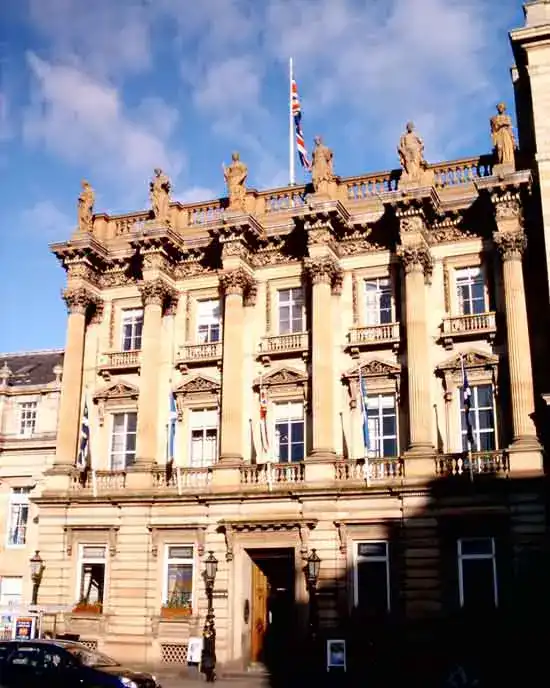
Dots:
{"x": 322, "y": 172}
{"x": 411, "y": 156}
{"x": 235, "y": 177}
{"x": 86, "y": 202}
{"x": 503, "y": 138}
{"x": 159, "y": 193}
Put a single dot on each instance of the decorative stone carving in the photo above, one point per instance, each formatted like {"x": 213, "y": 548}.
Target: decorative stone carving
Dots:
{"x": 322, "y": 173}
{"x": 118, "y": 393}
{"x": 5, "y": 374}
{"x": 304, "y": 532}
{"x": 79, "y": 299}
{"x": 284, "y": 376}
{"x": 476, "y": 362}
{"x": 228, "y": 534}
{"x": 507, "y": 207}
{"x": 416, "y": 258}
{"x": 196, "y": 388}
{"x": 81, "y": 270}
{"x": 411, "y": 224}
{"x": 268, "y": 308}
{"x": 284, "y": 383}
{"x": 237, "y": 281}
{"x": 86, "y": 202}
{"x": 251, "y": 294}
{"x": 411, "y": 157}
{"x": 446, "y": 287}
{"x": 71, "y": 533}
{"x": 234, "y": 249}
{"x": 502, "y": 134}
{"x": 355, "y": 299}
{"x": 448, "y": 229}
{"x": 198, "y": 532}
{"x": 324, "y": 270}
{"x": 383, "y": 372}
{"x": 159, "y": 191}
{"x": 97, "y": 313}
{"x": 154, "y": 258}
{"x": 355, "y": 244}
{"x": 235, "y": 177}
{"x": 155, "y": 293}
{"x": 342, "y": 531}
{"x": 510, "y": 245}
{"x": 377, "y": 368}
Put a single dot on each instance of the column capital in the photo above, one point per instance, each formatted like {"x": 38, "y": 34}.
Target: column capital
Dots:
{"x": 324, "y": 270}
{"x": 238, "y": 281}
{"x": 507, "y": 206}
{"x": 80, "y": 299}
{"x": 416, "y": 259}
{"x": 510, "y": 245}
{"x": 156, "y": 293}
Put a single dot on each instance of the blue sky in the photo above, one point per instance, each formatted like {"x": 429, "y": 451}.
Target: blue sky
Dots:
{"x": 107, "y": 90}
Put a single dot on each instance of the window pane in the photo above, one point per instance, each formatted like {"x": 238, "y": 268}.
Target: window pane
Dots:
{"x": 180, "y": 552}
{"x": 389, "y": 447}
{"x": 92, "y": 583}
{"x": 484, "y": 396}
{"x": 476, "y": 546}
{"x": 297, "y": 431}
{"x": 180, "y": 585}
{"x": 486, "y": 441}
{"x": 297, "y": 452}
{"x": 478, "y": 584}
{"x": 372, "y": 588}
{"x": 132, "y": 422}
{"x": 372, "y": 549}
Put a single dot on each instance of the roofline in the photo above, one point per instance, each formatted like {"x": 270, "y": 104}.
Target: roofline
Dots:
{"x": 32, "y": 353}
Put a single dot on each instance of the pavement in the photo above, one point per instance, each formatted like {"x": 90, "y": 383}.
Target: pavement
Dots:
{"x": 178, "y": 677}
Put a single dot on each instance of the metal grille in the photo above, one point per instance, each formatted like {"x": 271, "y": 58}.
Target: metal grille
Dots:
{"x": 173, "y": 654}
{"x": 90, "y": 644}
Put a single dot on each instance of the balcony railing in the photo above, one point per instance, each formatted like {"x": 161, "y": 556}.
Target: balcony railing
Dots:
{"x": 476, "y": 463}
{"x": 182, "y": 478}
{"x": 119, "y": 360}
{"x": 100, "y": 481}
{"x": 468, "y": 326}
{"x": 199, "y": 354}
{"x": 369, "y": 470}
{"x": 284, "y": 345}
{"x": 372, "y": 336}
{"x": 272, "y": 475}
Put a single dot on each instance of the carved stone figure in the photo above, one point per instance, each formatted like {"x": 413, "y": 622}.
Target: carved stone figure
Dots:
{"x": 322, "y": 172}
{"x": 502, "y": 134}
{"x": 160, "y": 188}
{"x": 235, "y": 177}
{"x": 411, "y": 156}
{"x": 86, "y": 202}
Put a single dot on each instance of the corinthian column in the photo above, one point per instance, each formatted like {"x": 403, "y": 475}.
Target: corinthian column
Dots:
{"x": 511, "y": 245}
{"x": 325, "y": 275}
{"x": 417, "y": 263}
{"x": 155, "y": 294}
{"x": 234, "y": 284}
{"x": 78, "y": 302}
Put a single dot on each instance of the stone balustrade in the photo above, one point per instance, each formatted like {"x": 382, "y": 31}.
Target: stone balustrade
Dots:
{"x": 476, "y": 463}
{"x": 284, "y": 344}
{"x": 362, "y": 337}
{"x": 120, "y": 360}
{"x": 199, "y": 354}
{"x": 465, "y": 326}
{"x": 269, "y": 475}
{"x": 362, "y": 470}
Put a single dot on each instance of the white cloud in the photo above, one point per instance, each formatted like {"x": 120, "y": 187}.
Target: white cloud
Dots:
{"x": 45, "y": 221}
{"x": 84, "y": 121}
{"x": 195, "y": 194}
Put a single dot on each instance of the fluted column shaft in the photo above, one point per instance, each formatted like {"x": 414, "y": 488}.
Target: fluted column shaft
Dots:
{"x": 416, "y": 262}
{"x": 68, "y": 431}
{"x": 234, "y": 284}
{"x": 154, "y": 295}
{"x": 511, "y": 246}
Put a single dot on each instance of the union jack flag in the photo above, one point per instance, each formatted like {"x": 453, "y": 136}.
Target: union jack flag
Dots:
{"x": 297, "y": 114}
{"x": 263, "y": 421}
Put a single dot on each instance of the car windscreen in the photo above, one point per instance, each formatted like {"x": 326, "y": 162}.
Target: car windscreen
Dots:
{"x": 90, "y": 657}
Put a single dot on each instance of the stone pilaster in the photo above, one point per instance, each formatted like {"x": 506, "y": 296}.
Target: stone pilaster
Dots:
{"x": 156, "y": 294}
{"x": 511, "y": 242}
{"x": 80, "y": 301}
{"x": 417, "y": 264}
{"x": 325, "y": 276}
{"x": 236, "y": 285}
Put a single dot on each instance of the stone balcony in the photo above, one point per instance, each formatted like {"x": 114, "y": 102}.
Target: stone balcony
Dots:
{"x": 284, "y": 346}
{"x": 373, "y": 337}
{"x": 119, "y": 362}
{"x": 461, "y": 327}
{"x": 495, "y": 463}
{"x": 191, "y": 355}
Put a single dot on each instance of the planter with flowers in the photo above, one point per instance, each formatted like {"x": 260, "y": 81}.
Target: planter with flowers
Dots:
{"x": 176, "y": 611}
{"x": 84, "y": 607}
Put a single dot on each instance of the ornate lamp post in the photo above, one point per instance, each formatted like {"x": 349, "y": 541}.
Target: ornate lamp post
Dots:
{"x": 209, "y": 632}
{"x": 312, "y": 577}
{"x": 37, "y": 569}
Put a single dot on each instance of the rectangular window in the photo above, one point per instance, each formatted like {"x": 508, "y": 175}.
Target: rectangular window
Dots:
{"x": 27, "y": 417}
{"x": 204, "y": 437}
{"x": 477, "y": 573}
{"x": 92, "y": 574}
{"x": 178, "y": 577}
{"x": 11, "y": 591}
{"x": 289, "y": 431}
{"x": 378, "y": 301}
{"x": 18, "y": 516}
{"x": 208, "y": 321}
{"x": 482, "y": 419}
{"x": 132, "y": 327}
{"x": 372, "y": 578}
{"x": 382, "y": 423}
{"x": 291, "y": 310}
{"x": 123, "y": 440}
{"x": 470, "y": 287}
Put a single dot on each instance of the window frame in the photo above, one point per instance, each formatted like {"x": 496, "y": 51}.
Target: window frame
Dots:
{"x": 126, "y": 413}
{"x": 23, "y": 408}
{"x": 82, "y": 560}
{"x": 276, "y": 421}
{"x": 379, "y": 291}
{"x": 210, "y": 324}
{"x": 378, "y": 453}
{"x": 460, "y": 270}
{"x": 167, "y": 560}
{"x": 474, "y": 415}
{"x": 375, "y": 559}
{"x": 476, "y": 557}
{"x": 128, "y": 316}
{"x": 204, "y": 428}
{"x": 19, "y": 496}
{"x": 290, "y": 304}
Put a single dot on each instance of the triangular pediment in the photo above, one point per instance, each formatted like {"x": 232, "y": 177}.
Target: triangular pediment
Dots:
{"x": 375, "y": 367}
{"x": 118, "y": 390}
{"x": 282, "y": 376}
{"x": 472, "y": 359}
{"x": 198, "y": 384}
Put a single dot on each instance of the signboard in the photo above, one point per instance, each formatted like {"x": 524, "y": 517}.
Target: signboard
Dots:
{"x": 194, "y": 651}
{"x": 24, "y": 628}
{"x": 336, "y": 655}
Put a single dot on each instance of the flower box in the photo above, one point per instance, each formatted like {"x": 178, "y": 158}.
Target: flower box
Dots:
{"x": 167, "y": 612}
{"x": 88, "y": 608}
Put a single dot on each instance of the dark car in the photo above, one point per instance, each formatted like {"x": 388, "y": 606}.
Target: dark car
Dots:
{"x": 64, "y": 664}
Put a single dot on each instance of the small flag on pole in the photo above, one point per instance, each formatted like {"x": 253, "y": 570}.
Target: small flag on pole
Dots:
{"x": 83, "y": 458}
{"x": 171, "y": 437}
{"x": 296, "y": 118}
{"x": 264, "y": 438}
{"x": 365, "y": 420}
{"x": 467, "y": 404}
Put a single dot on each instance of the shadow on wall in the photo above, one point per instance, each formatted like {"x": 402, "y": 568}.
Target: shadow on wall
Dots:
{"x": 457, "y": 591}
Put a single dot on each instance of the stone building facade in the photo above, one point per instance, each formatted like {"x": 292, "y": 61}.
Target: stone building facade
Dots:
{"x": 30, "y": 388}
{"x": 263, "y": 323}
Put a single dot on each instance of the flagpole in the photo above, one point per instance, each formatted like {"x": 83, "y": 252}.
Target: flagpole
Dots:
{"x": 291, "y": 137}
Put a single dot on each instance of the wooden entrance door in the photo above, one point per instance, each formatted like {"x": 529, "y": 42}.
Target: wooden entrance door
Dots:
{"x": 259, "y": 612}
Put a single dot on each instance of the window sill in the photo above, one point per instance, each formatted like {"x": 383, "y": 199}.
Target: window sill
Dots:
{"x": 175, "y": 614}
{"x": 9, "y": 546}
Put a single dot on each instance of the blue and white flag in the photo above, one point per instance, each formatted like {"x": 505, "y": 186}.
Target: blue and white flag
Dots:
{"x": 364, "y": 414}
{"x": 172, "y": 420}
{"x": 467, "y": 405}
{"x": 83, "y": 459}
